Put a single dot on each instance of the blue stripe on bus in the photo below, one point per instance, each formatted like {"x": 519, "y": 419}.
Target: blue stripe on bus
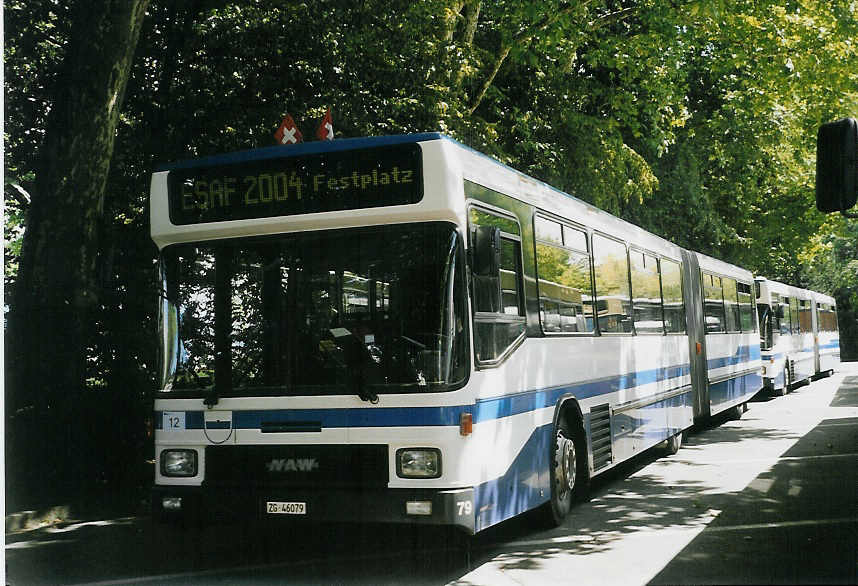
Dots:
{"x": 484, "y": 410}
{"x": 360, "y": 417}
{"x": 298, "y": 150}
{"x": 525, "y": 484}
{"x": 194, "y": 420}
{"x": 488, "y": 409}
{"x": 735, "y": 390}
{"x": 743, "y": 354}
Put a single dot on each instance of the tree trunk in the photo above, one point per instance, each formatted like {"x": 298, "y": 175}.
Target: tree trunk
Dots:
{"x": 57, "y": 286}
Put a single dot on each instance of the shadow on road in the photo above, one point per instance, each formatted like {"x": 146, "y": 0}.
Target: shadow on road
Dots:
{"x": 847, "y": 393}
{"x": 138, "y": 550}
{"x": 794, "y": 524}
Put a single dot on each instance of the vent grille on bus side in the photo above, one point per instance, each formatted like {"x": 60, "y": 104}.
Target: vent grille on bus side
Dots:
{"x": 600, "y": 435}
{"x": 299, "y": 466}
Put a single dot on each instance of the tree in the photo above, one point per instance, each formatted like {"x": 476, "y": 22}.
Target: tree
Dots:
{"x": 692, "y": 119}
{"x": 56, "y": 290}
{"x": 832, "y": 266}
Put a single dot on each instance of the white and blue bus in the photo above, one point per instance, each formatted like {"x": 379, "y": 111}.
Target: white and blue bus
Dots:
{"x": 789, "y": 335}
{"x": 826, "y": 335}
{"x": 401, "y": 329}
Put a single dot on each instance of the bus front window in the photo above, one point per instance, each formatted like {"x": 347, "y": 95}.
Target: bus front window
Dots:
{"x": 362, "y": 311}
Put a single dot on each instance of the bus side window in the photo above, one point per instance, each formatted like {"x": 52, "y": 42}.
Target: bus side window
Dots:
{"x": 746, "y": 308}
{"x": 713, "y": 304}
{"x": 671, "y": 288}
{"x": 510, "y": 277}
{"x": 786, "y": 320}
{"x": 731, "y": 304}
{"x": 829, "y": 318}
{"x": 804, "y": 322}
{"x": 646, "y": 294}
{"x": 563, "y": 269}
{"x": 613, "y": 303}
{"x": 793, "y": 312}
{"x": 498, "y": 313}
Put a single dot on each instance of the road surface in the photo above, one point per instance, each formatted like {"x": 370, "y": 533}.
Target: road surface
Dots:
{"x": 770, "y": 498}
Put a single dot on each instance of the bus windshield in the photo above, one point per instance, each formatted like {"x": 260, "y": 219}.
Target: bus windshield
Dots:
{"x": 361, "y": 311}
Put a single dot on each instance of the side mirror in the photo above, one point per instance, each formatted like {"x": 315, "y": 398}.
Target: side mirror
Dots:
{"x": 485, "y": 264}
{"x": 779, "y": 312}
{"x": 837, "y": 166}
{"x": 486, "y": 259}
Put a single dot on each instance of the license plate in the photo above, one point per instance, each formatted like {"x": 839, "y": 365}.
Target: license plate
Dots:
{"x": 281, "y": 508}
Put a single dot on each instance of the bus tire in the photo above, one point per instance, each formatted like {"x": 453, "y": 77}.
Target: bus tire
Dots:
{"x": 737, "y": 411}
{"x": 673, "y": 443}
{"x": 567, "y": 468}
{"x": 785, "y": 389}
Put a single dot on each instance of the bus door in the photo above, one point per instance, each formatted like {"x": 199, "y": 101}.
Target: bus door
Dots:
{"x": 814, "y": 320}
{"x": 692, "y": 291}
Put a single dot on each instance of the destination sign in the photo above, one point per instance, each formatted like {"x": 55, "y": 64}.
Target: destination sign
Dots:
{"x": 323, "y": 182}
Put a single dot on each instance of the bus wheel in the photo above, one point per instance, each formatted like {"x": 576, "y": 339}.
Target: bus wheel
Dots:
{"x": 673, "y": 444}
{"x": 737, "y": 411}
{"x": 785, "y": 389}
{"x": 568, "y": 470}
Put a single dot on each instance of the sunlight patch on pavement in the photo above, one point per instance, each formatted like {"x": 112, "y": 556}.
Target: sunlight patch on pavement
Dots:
{"x": 630, "y": 532}
{"x": 76, "y": 526}
{"x": 33, "y": 544}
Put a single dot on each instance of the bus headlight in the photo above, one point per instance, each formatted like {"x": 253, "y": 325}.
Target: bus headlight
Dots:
{"x": 180, "y": 463}
{"x": 418, "y": 463}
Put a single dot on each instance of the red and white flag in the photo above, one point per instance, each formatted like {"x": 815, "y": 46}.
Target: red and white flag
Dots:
{"x": 288, "y": 132}
{"x": 326, "y": 128}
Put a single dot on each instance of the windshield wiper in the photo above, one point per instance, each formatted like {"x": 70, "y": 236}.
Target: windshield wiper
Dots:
{"x": 356, "y": 356}
{"x": 212, "y": 397}
{"x": 360, "y": 388}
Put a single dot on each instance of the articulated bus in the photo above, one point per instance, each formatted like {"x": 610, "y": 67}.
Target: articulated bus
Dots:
{"x": 401, "y": 329}
{"x": 826, "y": 340}
{"x": 798, "y": 334}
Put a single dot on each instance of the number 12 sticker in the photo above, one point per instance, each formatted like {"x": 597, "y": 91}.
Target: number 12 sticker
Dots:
{"x": 173, "y": 421}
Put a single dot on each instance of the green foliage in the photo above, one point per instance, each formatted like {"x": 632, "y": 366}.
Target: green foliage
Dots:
{"x": 35, "y": 39}
{"x": 696, "y": 120}
{"x": 832, "y": 263}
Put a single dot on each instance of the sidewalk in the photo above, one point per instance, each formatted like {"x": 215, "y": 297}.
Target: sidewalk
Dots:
{"x": 796, "y": 523}
{"x": 768, "y": 499}
{"x": 29, "y": 520}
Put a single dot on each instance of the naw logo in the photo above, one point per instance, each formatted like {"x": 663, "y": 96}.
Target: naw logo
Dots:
{"x": 292, "y": 465}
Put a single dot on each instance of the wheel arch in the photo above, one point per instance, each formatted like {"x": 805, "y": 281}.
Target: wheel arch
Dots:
{"x": 568, "y": 404}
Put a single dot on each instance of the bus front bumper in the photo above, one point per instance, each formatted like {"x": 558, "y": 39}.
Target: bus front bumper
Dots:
{"x": 454, "y": 507}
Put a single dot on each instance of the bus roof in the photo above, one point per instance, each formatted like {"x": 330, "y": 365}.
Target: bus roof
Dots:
{"x": 304, "y": 148}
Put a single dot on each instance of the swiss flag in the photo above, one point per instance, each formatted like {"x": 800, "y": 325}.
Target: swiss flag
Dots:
{"x": 288, "y": 132}
{"x": 326, "y": 128}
